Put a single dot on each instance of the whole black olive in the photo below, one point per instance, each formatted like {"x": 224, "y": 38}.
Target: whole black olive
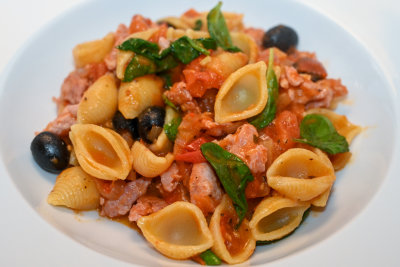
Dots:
{"x": 282, "y": 37}
{"x": 50, "y": 152}
{"x": 151, "y": 122}
{"x": 121, "y": 124}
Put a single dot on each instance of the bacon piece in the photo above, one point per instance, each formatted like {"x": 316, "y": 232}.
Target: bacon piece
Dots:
{"x": 140, "y": 23}
{"x": 78, "y": 81}
{"x": 179, "y": 95}
{"x": 189, "y": 128}
{"x": 171, "y": 178}
{"x": 121, "y": 206}
{"x": 146, "y": 205}
{"x": 242, "y": 144}
{"x": 62, "y": 124}
{"x": 217, "y": 129}
{"x": 205, "y": 192}
{"x": 293, "y": 76}
{"x": 258, "y": 187}
{"x": 111, "y": 190}
{"x": 179, "y": 194}
{"x": 120, "y": 34}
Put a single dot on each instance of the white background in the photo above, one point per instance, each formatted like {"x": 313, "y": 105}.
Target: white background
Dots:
{"x": 25, "y": 240}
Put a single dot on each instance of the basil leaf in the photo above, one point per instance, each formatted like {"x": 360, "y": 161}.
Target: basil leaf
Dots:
{"x": 141, "y": 47}
{"x": 197, "y": 25}
{"x": 219, "y": 30}
{"x": 169, "y": 103}
{"x": 233, "y": 174}
{"x": 171, "y": 128}
{"x": 186, "y": 49}
{"x": 166, "y": 62}
{"x": 318, "y": 131}
{"x": 262, "y": 120}
{"x": 208, "y": 43}
{"x": 210, "y": 258}
{"x": 139, "y": 66}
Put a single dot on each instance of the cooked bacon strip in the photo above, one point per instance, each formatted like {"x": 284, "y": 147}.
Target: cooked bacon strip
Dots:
{"x": 146, "y": 205}
{"x": 179, "y": 95}
{"x": 242, "y": 145}
{"x": 205, "y": 191}
{"x": 121, "y": 206}
{"x": 62, "y": 124}
{"x": 120, "y": 34}
{"x": 171, "y": 178}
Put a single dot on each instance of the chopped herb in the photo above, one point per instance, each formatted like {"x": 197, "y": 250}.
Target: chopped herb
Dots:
{"x": 139, "y": 66}
{"x": 210, "y": 258}
{"x": 219, "y": 30}
{"x": 171, "y": 128}
{"x": 186, "y": 49}
{"x": 233, "y": 174}
{"x": 169, "y": 103}
{"x": 318, "y": 131}
{"x": 268, "y": 114}
{"x": 198, "y": 24}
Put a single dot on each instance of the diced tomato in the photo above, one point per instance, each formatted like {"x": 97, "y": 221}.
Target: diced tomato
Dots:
{"x": 192, "y": 156}
{"x": 139, "y": 23}
{"x": 162, "y": 32}
{"x": 287, "y": 128}
{"x": 191, "y": 13}
{"x": 196, "y": 144}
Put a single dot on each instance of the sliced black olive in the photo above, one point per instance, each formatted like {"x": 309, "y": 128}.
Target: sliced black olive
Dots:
{"x": 282, "y": 37}
{"x": 121, "y": 124}
{"x": 151, "y": 122}
{"x": 50, "y": 152}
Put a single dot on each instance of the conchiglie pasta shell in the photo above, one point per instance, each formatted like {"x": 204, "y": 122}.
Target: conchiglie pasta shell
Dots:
{"x": 173, "y": 34}
{"x": 178, "y": 231}
{"x": 177, "y": 23}
{"x": 99, "y": 102}
{"x": 246, "y": 44}
{"x": 225, "y": 63}
{"x": 342, "y": 125}
{"x": 101, "y": 152}
{"x": 124, "y": 57}
{"x": 219, "y": 247}
{"x": 75, "y": 189}
{"x": 93, "y": 51}
{"x": 243, "y": 95}
{"x": 136, "y": 96}
{"x": 148, "y": 164}
{"x": 163, "y": 144}
{"x": 300, "y": 174}
{"x": 276, "y": 217}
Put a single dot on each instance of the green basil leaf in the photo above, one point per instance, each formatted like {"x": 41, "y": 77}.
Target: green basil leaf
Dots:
{"x": 233, "y": 174}
{"x": 171, "y": 128}
{"x": 169, "y": 103}
{"x": 208, "y": 43}
{"x": 210, "y": 258}
{"x": 141, "y": 47}
{"x": 139, "y": 66}
{"x": 219, "y": 30}
{"x": 198, "y": 24}
{"x": 186, "y": 49}
{"x": 166, "y": 62}
{"x": 318, "y": 131}
{"x": 262, "y": 120}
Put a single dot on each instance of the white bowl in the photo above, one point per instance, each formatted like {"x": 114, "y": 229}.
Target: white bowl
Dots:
{"x": 40, "y": 67}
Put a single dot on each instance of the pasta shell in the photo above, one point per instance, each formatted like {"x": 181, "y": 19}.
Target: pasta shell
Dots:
{"x": 99, "y": 102}
{"x": 75, "y": 189}
{"x": 178, "y": 231}
{"x": 246, "y": 44}
{"x": 101, "y": 152}
{"x": 276, "y": 217}
{"x": 173, "y": 34}
{"x": 342, "y": 125}
{"x": 136, "y": 96}
{"x": 300, "y": 174}
{"x": 243, "y": 95}
{"x": 163, "y": 144}
{"x": 243, "y": 247}
{"x": 124, "y": 57}
{"x": 93, "y": 51}
{"x": 148, "y": 164}
{"x": 225, "y": 63}
{"x": 177, "y": 23}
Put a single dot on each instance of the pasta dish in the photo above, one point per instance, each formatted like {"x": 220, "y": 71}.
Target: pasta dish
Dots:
{"x": 211, "y": 136}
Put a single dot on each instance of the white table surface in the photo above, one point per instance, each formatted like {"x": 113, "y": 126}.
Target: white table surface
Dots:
{"x": 26, "y": 240}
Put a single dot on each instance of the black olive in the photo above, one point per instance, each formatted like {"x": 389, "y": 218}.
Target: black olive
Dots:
{"x": 282, "y": 37}
{"x": 120, "y": 124}
{"x": 50, "y": 152}
{"x": 151, "y": 122}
